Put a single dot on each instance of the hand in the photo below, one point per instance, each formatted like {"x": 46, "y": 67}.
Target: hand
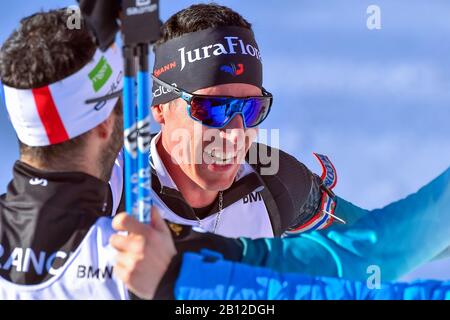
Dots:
{"x": 144, "y": 254}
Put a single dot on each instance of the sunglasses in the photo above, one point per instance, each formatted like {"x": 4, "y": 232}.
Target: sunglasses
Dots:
{"x": 218, "y": 111}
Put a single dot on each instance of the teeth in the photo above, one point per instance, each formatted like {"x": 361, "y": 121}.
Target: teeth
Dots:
{"x": 223, "y": 162}
{"x": 220, "y": 157}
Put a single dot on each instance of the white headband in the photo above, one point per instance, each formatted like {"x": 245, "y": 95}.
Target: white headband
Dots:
{"x": 59, "y": 112}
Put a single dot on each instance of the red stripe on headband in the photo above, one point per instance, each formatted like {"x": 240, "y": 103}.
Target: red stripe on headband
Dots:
{"x": 49, "y": 115}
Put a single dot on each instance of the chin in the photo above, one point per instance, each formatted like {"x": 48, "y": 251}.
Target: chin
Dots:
{"x": 215, "y": 185}
{"x": 216, "y": 182}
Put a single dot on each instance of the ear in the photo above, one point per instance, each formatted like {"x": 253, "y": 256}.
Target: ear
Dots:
{"x": 158, "y": 113}
{"x": 105, "y": 129}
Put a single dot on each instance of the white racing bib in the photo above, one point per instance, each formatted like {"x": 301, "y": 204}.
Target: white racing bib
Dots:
{"x": 87, "y": 274}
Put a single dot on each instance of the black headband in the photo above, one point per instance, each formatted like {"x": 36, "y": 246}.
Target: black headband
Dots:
{"x": 207, "y": 58}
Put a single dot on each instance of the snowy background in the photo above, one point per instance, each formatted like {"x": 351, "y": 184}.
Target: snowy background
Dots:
{"x": 377, "y": 102}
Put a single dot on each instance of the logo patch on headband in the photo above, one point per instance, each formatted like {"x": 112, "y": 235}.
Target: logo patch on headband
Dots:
{"x": 233, "y": 69}
{"x": 100, "y": 74}
{"x": 166, "y": 68}
{"x": 58, "y": 112}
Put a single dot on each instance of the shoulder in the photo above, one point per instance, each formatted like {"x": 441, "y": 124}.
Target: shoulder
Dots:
{"x": 295, "y": 188}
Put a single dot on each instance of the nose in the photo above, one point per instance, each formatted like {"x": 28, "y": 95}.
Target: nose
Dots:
{"x": 234, "y": 130}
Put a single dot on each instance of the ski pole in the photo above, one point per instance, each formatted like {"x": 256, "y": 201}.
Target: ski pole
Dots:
{"x": 143, "y": 138}
{"x": 140, "y": 27}
{"x": 130, "y": 130}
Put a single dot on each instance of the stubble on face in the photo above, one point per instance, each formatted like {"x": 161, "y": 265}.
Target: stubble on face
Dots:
{"x": 112, "y": 148}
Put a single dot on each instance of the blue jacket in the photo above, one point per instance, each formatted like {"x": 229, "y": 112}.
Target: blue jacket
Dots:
{"x": 397, "y": 238}
{"x": 335, "y": 263}
{"x": 204, "y": 279}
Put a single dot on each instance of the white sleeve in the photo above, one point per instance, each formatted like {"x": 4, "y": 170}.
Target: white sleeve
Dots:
{"x": 116, "y": 182}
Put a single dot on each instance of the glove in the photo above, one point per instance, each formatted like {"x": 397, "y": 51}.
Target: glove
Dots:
{"x": 188, "y": 240}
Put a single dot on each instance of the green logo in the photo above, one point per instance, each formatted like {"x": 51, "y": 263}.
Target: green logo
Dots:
{"x": 100, "y": 74}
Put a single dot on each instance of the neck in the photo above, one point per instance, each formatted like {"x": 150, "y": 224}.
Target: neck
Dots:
{"x": 195, "y": 195}
{"x": 63, "y": 166}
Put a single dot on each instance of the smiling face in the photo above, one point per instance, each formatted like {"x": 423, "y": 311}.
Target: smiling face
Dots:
{"x": 208, "y": 157}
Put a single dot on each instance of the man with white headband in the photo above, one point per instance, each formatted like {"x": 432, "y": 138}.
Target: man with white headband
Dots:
{"x": 62, "y": 96}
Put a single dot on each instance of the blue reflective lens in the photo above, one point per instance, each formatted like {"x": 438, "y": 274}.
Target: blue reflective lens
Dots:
{"x": 216, "y": 112}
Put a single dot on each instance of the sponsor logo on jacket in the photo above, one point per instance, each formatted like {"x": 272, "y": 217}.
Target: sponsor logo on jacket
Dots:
{"x": 252, "y": 197}
{"x": 27, "y": 260}
{"x": 90, "y": 272}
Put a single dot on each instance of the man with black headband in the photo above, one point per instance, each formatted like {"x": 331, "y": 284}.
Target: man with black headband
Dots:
{"x": 208, "y": 77}
{"x": 55, "y": 219}
{"x": 209, "y": 98}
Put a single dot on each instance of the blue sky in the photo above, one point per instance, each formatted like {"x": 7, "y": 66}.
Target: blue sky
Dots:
{"x": 376, "y": 102}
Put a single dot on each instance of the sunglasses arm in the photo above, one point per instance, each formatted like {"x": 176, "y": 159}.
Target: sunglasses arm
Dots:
{"x": 181, "y": 93}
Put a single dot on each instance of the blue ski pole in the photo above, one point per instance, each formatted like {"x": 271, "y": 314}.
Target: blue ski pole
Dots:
{"x": 130, "y": 131}
{"x": 144, "y": 137}
{"x": 140, "y": 27}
